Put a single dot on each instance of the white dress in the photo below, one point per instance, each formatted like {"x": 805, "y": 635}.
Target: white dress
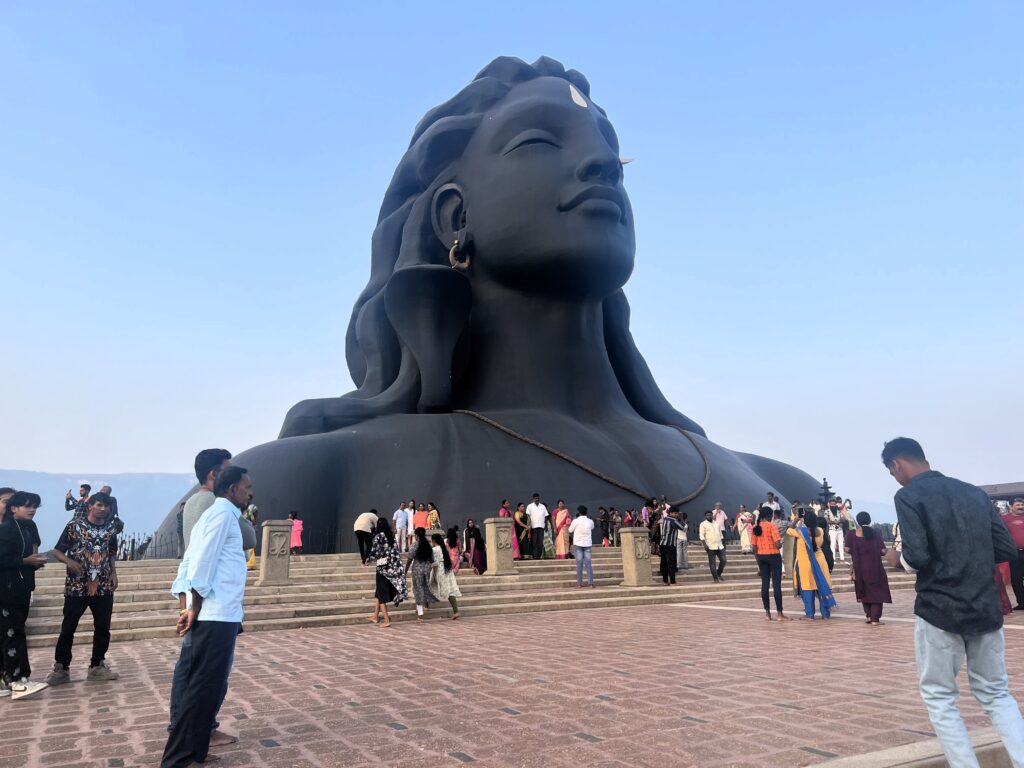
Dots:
{"x": 442, "y": 583}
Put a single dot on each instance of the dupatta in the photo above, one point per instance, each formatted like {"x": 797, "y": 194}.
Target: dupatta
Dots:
{"x": 824, "y": 590}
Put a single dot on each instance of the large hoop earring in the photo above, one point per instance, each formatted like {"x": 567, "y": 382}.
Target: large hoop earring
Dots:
{"x": 461, "y": 266}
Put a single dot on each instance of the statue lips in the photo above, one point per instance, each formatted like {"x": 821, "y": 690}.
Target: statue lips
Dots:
{"x": 602, "y": 199}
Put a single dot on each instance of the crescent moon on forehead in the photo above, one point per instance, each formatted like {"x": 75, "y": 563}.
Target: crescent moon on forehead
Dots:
{"x": 577, "y": 97}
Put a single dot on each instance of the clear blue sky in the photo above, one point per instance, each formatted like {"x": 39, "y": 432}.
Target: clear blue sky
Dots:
{"x": 828, "y": 201}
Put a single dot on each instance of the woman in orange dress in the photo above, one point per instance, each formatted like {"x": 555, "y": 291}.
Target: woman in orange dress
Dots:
{"x": 560, "y": 520}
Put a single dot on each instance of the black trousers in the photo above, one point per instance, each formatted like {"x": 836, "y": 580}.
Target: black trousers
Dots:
{"x": 1017, "y": 576}
{"x": 668, "y": 564}
{"x": 365, "y": 544}
{"x": 102, "y": 608}
{"x": 537, "y": 543}
{"x": 720, "y": 555}
{"x": 213, "y": 648}
{"x": 13, "y": 644}
{"x": 770, "y": 569}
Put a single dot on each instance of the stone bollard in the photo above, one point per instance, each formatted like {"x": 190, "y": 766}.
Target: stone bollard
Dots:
{"x": 274, "y": 562}
{"x": 432, "y": 531}
{"x": 498, "y": 540}
{"x": 636, "y": 557}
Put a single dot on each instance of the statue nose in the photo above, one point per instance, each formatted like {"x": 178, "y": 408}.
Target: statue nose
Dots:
{"x": 603, "y": 166}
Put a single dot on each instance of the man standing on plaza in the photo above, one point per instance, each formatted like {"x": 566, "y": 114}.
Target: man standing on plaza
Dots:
{"x": 401, "y": 519}
{"x": 208, "y": 464}
{"x": 538, "y": 515}
{"x": 714, "y": 545}
{"x": 835, "y": 531}
{"x": 80, "y": 505}
{"x": 88, "y": 548}
{"x": 215, "y": 580}
{"x": 363, "y": 528}
{"x": 957, "y": 608}
{"x": 1015, "y": 524}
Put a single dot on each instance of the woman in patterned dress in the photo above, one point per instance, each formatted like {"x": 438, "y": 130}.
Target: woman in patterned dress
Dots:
{"x": 391, "y": 584}
{"x": 422, "y": 563}
{"x": 442, "y": 579}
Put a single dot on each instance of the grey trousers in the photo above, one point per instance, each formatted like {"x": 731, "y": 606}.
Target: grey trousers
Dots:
{"x": 940, "y": 655}
{"x": 682, "y": 554}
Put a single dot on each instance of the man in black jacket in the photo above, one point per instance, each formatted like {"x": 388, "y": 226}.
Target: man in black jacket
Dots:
{"x": 952, "y": 538}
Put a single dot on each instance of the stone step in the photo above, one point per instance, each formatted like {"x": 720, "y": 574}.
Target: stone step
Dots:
{"x": 596, "y": 598}
{"x": 136, "y": 600}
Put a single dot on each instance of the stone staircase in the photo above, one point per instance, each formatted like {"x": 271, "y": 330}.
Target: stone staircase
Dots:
{"x": 335, "y": 590}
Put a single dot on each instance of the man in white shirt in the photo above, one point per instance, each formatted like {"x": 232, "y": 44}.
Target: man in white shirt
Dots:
{"x": 771, "y": 502}
{"x": 538, "y": 515}
{"x": 401, "y": 519}
{"x": 835, "y": 531}
{"x": 582, "y": 531}
{"x": 363, "y": 528}
{"x": 711, "y": 538}
{"x": 212, "y": 575}
{"x": 720, "y": 518}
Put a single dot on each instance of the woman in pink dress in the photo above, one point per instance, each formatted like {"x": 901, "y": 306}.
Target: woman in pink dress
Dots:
{"x": 560, "y": 519}
{"x": 296, "y": 543}
{"x": 454, "y": 548}
{"x": 506, "y": 511}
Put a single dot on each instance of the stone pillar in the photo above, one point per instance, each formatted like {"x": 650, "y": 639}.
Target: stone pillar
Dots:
{"x": 636, "y": 557}
{"x": 498, "y": 539}
{"x": 274, "y": 561}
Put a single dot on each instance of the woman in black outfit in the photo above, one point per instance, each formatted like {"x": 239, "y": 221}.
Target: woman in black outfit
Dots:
{"x": 19, "y": 562}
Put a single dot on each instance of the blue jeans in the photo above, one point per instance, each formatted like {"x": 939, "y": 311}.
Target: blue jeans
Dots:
{"x": 940, "y": 655}
{"x": 180, "y": 680}
{"x": 808, "y": 596}
{"x": 584, "y": 555}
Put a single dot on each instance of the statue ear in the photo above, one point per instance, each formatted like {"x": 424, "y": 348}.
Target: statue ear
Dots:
{"x": 448, "y": 213}
{"x": 428, "y": 306}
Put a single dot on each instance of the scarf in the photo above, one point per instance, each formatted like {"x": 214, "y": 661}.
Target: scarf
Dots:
{"x": 824, "y": 591}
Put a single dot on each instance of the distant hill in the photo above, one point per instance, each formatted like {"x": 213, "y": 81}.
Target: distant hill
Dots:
{"x": 143, "y": 499}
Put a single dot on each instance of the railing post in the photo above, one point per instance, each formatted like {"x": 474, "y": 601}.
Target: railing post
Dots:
{"x": 498, "y": 540}
{"x": 276, "y": 553}
{"x": 636, "y": 557}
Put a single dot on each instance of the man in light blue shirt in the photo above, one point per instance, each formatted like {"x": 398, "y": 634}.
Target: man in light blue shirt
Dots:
{"x": 213, "y": 573}
{"x": 401, "y": 518}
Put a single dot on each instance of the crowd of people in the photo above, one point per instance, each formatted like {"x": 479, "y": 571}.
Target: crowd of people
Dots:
{"x": 88, "y": 549}
{"x": 959, "y": 615}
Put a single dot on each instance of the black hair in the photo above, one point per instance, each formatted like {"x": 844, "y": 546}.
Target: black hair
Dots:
{"x": 423, "y": 552}
{"x": 902, "y": 448}
{"x": 438, "y": 539}
{"x": 23, "y": 499}
{"x": 383, "y": 526}
{"x": 230, "y": 476}
{"x": 811, "y": 521}
{"x": 764, "y": 515}
{"x": 453, "y": 536}
{"x": 685, "y": 516}
{"x": 864, "y": 521}
{"x": 296, "y": 515}
{"x": 96, "y": 498}
{"x": 6, "y": 510}
{"x": 373, "y": 512}
{"x": 86, "y": 486}
{"x": 208, "y": 460}
{"x": 582, "y": 510}
{"x": 536, "y": 495}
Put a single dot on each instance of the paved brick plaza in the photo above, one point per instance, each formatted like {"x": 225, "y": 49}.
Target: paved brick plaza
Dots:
{"x": 702, "y": 685}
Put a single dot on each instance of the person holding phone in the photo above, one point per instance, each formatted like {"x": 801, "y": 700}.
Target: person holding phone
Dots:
{"x": 19, "y": 561}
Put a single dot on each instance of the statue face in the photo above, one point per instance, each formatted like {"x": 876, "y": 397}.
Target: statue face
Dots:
{"x": 543, "y": 194}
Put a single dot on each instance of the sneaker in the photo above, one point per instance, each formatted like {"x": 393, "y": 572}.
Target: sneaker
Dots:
{"x": 100, "y": 673}
{"x": 26, "y": 687}
{"x": 59, "y": 676}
